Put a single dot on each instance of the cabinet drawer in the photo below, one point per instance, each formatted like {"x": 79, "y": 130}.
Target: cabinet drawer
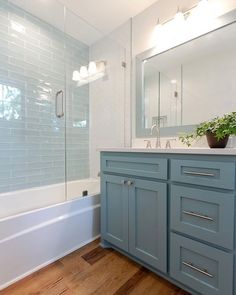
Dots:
{"x": 136, "y": 166}
{"x": 203, "y": 214}
{"x": 207, "y": 173}
{"x": 204, "y": 269}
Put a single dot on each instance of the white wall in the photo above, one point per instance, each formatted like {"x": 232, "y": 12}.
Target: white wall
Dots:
{"x": 110, "y": 100}
{"x": 110, "y": 122}
{"x": 144, "y": 23}
{"x": 143, "y": 31}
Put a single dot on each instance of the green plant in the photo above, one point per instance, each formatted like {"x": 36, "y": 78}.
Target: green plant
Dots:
{"x": 219, "y": 126}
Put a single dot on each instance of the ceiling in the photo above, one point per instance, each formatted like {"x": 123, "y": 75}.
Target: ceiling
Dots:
{"x": 107, "y": 15}
{"x": 87, "y": 20}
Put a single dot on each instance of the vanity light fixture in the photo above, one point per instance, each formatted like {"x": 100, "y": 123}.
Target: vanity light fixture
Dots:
{"x": 203, "y": 4}
{"x": 200, "y": 9}
{"x": 95, "y": 70}
{"x": 92, "y": 68}
{"x": 76, "y": 76}
{"x": 83, "y": 72}
{"x": 158, "y": 28}
{"x": 179, "y": 17}
{"x": 204, "y": 11}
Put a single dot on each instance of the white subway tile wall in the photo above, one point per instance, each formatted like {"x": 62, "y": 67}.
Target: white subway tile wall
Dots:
{"x": 37, "y": 60}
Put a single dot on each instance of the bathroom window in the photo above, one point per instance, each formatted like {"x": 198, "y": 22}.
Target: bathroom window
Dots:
{"x": 10, "y": 102}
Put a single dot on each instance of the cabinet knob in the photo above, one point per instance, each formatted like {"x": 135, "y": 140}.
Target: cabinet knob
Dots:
{"x": 130, "y": 182}
{"x": 124, "y": 182}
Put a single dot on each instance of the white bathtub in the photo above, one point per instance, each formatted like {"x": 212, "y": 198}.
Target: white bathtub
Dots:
{"x": 25, "y": 200}
{"x": 36, "y": 238}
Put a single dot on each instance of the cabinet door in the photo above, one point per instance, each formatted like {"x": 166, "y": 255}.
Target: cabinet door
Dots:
{"x": 114, "y": 209}
{"x": 148, "y": 222}
{"x": 205, "y": 269}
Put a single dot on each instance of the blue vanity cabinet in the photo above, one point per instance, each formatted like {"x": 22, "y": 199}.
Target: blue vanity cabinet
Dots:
{"x": 205, "y": 269}
{"x": 202, "y": 223}
{"x": 203, "y": 214}
{"x": 135, "y": 165}
{"x": 148, "y": 222}
{"x": 114, "y": 210}
{"x": 175, "y": 214}
{"x": 214, "y": 174}
{"x": 134, "y": 211}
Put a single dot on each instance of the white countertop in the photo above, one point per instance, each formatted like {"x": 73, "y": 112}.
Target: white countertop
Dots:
{"x": 200, "y": 151}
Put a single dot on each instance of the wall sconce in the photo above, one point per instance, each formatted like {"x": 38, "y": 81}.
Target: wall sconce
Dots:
{"x": 92, "y": 68}
{"x": 94, "y": 71}
{"x": 180, "y": 17}
{"x": 203, "y": 4}
{"x": 83, "y": 72}
{"x": 76, "y": 76}
{"x": 158, "y": 28}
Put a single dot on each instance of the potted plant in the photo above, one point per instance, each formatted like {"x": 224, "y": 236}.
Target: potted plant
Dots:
{"x": 217, "y": 131}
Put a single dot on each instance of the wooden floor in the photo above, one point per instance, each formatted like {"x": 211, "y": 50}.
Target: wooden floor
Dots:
{"x": 93, "y": 270}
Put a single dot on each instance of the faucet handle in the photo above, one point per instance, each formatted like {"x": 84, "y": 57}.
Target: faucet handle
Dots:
{"x": 168, "y": 142}
{"x": 148, "y": 144}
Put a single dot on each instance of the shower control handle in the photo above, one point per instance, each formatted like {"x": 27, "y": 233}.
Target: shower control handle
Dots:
{"x": 59, "y": 94}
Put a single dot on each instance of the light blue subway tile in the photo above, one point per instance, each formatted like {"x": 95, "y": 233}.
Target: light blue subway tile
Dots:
{"x": 34, "y": 145}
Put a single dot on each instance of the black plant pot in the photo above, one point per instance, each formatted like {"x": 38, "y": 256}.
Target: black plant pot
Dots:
{"x": 214, "y": 143}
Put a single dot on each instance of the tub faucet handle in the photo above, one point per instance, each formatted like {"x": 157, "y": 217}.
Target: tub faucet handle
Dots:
{"x": 148, "y": 144}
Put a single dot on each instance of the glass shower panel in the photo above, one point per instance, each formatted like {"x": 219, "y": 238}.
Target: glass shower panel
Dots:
{"x": 32, "y": 124}
{"x": 79, "y": 36}
{"x": 97, "y": 91}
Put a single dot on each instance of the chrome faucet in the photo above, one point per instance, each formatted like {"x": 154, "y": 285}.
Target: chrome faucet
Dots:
{"x": 148, "y": 144}
{"x": 158, "y": 140}
{"x": 168, "y": 143}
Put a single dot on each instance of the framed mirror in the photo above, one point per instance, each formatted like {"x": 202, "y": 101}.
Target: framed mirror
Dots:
{"x": 187, "y": 84}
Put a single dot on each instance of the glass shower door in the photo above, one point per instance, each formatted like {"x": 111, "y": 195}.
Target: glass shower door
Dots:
{"x": 77, "y": 44}
{"x": 32, "y": 102}
{"x": 97, "y": 73}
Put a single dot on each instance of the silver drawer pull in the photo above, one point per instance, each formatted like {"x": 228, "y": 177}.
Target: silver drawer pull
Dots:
{"x": 202, "y": 271}
{"x": 199, "y": 173}
{"x": 198, "y": 215}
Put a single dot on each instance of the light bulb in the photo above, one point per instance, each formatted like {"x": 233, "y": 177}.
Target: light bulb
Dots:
{"x": 200, "y": 16}
{"x": 202, "y": 5}
{"x": 83, "y": 72}
{"x": 158, "y": 29}
{"x": 76, "y": 76}
{"x": 157, "y": 33}
{"x": 203, "y": 9}
{"x": 92, "y": 69}
{"x": 179, "y": 17}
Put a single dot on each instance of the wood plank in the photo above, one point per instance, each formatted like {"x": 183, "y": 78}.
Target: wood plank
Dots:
{"x": 95, "y": 255}
{"x": 132, "y": 282}
{"x": 105, "y": 276}
{"x": 92, "y": 270}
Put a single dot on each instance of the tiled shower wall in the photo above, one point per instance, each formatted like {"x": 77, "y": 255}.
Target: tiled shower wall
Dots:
{"x": 33, "y": 59}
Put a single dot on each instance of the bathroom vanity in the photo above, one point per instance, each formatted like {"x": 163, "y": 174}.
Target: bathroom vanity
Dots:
{"x": 173, "y": 211}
